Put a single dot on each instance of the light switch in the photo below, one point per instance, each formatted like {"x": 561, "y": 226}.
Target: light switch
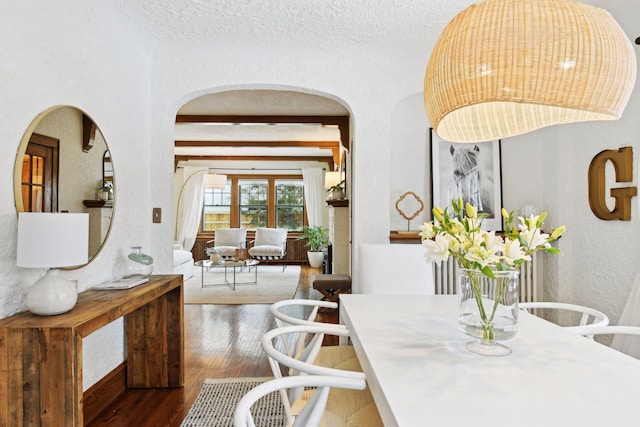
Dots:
{"x": 157, "y": 215}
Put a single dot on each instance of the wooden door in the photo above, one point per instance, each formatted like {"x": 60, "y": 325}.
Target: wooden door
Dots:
{"x": 40, "y": 174}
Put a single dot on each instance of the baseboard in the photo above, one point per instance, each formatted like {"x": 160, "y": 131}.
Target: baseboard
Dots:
{"x": 100, "y": 395}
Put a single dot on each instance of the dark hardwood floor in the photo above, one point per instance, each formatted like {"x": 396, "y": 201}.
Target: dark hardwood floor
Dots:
{"x": 221, "y": 341}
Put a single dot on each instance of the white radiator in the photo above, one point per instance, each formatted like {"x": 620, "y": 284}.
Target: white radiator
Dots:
{"x": 445, "y": 279}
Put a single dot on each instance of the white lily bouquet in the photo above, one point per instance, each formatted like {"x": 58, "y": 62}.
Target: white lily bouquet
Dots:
{"x": 489, "y": 264}
{"x": 459, "y": 234}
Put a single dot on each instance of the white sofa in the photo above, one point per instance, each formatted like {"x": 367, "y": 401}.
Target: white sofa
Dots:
{"x": 182, "y": 261}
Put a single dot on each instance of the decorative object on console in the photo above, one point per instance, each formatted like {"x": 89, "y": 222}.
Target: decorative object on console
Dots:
{"x": 503, "y": 68}
{"x": 334, "y": 183}
{"x": 52, "y": 240}
{"x": 138, "y": 264}
{"x": 490, "y": 264}
{"x": 412, "y": 202}
{"x": 105, "y": 192}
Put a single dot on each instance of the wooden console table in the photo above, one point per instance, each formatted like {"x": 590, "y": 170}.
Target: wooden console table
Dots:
{"x": 41, "y": 356}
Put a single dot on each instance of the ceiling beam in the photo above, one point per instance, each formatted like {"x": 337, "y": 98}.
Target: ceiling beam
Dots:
{"x": 341, "y": 121}
{"x": 320, "y": 144}
{"x": 322, "y": 159}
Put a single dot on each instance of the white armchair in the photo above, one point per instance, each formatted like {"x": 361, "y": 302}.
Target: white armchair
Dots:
{"x": 270, "y": 244}
{"x": 227, "y": 240}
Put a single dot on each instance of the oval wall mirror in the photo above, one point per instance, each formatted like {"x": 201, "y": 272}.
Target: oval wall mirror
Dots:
{"x": 64, "y": 165}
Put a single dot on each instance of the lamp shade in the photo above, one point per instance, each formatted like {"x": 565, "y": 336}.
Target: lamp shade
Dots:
{"x": 214, "y": 181}
{"x": 506, "y": 67}
{"x": 332, "y": 178}
{"x": 50, "y": 240}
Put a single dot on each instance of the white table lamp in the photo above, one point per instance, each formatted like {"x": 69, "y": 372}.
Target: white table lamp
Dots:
{"x": 52, "y": 240}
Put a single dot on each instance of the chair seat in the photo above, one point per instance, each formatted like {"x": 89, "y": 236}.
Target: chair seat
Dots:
{"x": 266, "y": 251}
{"x": 345, "y": 408}
{"x": 338, "y": 357}
{"x": 226, "y": 251}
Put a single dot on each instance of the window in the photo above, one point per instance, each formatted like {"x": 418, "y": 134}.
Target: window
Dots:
{"x": 216, "y": 208}
{"x": 289, "y": 204}
{"x": 255, "y": 201}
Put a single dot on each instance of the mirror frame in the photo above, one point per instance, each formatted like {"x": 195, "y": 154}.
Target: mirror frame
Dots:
{"x": 17, "y": 172}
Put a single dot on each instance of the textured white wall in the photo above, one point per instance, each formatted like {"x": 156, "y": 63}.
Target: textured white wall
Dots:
{"x": 79, "y": 55}
{"x": 410, "y": 161}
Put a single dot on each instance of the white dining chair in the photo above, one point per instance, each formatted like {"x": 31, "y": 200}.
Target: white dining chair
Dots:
{"x": 316, "y": 410}
{"x": 344, "y": 403}
{"x": 293, "y": 312}
{"x": 393, "y": 269}
{"x": 631, "y": 333}
{"x": 329, "y": 356}
{"x": 586, "y": 317}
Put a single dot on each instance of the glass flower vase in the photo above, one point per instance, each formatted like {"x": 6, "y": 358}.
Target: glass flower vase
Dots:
{"x": 488, "y": 309}
{"x": 138, "y": 264}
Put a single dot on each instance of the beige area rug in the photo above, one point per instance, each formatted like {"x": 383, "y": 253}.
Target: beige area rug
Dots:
{"x": 217, "y": 399}
{"x": 273, "y": 285}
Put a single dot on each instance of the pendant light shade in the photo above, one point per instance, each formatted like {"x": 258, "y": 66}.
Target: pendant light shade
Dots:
{"x": 506, "y": 67}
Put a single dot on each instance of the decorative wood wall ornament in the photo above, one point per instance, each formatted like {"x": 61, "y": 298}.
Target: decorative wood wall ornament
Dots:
{"x": 622, "y": 160}
{"x": 412, "y": 202}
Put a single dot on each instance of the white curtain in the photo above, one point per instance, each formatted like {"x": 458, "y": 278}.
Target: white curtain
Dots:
{"x": 314, "y": 194}
{"x": 189, "y": 209}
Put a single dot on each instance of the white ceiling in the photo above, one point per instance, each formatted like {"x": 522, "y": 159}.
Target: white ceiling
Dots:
{"x": 401, "y": 25}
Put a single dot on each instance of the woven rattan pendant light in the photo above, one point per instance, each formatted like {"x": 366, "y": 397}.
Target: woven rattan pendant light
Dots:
{"x": 505, "y": 67}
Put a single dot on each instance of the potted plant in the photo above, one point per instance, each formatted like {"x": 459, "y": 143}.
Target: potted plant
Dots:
{"x": 336, "y": 192}
{"x": 317, "y": 240}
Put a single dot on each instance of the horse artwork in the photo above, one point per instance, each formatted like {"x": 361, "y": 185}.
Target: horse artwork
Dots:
{"x": 470, "y": 171}
{"x": 466, "y": 176}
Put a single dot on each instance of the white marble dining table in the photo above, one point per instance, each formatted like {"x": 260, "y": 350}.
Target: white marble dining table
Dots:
{"x": 419, "y": 373}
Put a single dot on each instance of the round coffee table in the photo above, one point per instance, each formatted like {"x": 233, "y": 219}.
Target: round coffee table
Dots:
{"x": 207, "y": 264}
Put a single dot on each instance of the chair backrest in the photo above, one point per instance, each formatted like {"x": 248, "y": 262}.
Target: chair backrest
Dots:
{"x": 312, "y": 412}
{"x": 631, "y": 333}
{"x": 230, "y": 237}
{"x": 301, "y": 362}
{"x": 386, "y": 268}
{"x": 282, "y": 312}
{"x": 588, "y": 316}
{"x": 271, "y": 237}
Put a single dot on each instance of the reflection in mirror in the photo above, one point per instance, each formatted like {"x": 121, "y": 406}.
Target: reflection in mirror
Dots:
{"x": 107, "y": 168}
{"x": 62, "y": 162}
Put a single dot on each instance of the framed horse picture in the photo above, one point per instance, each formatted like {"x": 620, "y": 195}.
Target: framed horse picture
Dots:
{"x": 472, "y": 171}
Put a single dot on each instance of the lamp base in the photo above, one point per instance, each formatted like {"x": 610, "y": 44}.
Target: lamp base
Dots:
{"x": 52, "y": 294}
